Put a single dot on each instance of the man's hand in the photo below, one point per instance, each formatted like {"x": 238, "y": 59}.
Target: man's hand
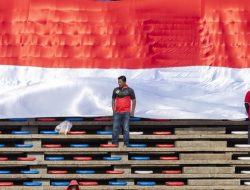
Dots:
{"x": 132, "y": 113}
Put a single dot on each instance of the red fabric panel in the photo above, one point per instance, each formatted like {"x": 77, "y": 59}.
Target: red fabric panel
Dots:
{"x": 125, "y": 34}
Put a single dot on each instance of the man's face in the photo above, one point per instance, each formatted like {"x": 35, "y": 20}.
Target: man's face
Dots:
{"x": 121, "y": 83}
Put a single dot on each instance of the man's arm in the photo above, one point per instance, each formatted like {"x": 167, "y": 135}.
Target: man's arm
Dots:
{"x": 113, "y": 105}
{"x": 133, "y": 99}
{"x": 113, "y": 101}
{"x": 132, "y": 113}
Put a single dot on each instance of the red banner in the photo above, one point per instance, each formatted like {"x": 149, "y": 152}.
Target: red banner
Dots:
{"x": 125, "y": 34}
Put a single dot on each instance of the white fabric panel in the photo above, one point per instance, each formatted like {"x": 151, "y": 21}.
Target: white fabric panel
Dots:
{"x": 173, "y": 93}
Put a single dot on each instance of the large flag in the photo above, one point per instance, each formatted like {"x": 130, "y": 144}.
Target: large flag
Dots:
{"x": 185, "y": 59}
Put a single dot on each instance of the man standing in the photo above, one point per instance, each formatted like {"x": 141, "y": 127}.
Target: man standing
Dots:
{"x": 122, "y": 110}
{"x": 247, "y": 105}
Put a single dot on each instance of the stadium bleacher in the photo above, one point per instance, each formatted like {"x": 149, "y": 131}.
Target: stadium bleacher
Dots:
{"x": 203, "y": 155}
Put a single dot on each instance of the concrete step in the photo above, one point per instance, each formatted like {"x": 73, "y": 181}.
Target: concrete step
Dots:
{"x": 200, "y": 130}
{"x": 191, "y": 143}
{"x": 214, "y": 182}
{"x": 205, "y": 156}
{"x": 208, "y": 170}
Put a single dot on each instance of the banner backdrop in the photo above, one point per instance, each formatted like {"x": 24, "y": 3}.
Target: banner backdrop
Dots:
{"x": 185, "y": 59}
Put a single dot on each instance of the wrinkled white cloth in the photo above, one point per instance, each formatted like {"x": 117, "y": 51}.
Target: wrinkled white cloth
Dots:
{"x": 174, "y": 93}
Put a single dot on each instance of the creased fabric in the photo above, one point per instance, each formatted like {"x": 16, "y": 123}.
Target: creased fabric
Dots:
{"x": 183, "y": 58}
